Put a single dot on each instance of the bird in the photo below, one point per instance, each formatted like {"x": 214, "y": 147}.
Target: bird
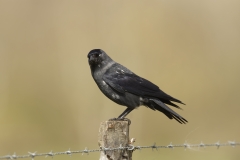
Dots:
{"x": 126, "y": 88}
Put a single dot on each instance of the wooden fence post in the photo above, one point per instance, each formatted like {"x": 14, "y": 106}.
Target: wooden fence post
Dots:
{"x": 114, "y": 134}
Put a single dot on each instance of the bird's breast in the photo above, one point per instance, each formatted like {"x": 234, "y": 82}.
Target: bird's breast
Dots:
{"x": 125, "y": 99}
{"x": 109, "y": 92}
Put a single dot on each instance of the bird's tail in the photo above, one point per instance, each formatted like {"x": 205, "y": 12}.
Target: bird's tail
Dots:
{"x": 160, "y": 106}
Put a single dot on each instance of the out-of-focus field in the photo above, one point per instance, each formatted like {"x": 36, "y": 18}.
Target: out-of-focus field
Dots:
{"x": 49, "y": 101}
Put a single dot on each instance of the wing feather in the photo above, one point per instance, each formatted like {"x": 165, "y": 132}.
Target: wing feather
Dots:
{"x": 130, "y": 82}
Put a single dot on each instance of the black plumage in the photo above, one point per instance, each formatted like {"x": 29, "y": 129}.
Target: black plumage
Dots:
{"x": 126, "y": 88}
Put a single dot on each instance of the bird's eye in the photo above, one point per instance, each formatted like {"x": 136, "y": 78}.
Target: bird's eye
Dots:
{"x": 96, "y": 55}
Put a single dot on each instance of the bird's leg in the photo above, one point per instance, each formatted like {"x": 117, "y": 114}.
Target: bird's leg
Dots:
{"x": 123, "y": 115}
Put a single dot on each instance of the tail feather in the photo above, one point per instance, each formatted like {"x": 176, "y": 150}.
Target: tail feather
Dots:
{"x": 172, "y": 104}
{"x": 163, "y": 96}
{"x": 160, "y": 106}
{"x": 176, "y": 100}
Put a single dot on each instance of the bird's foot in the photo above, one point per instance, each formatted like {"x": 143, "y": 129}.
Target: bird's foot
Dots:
{"x": 121, "y": 119}
{"x": 112, "y": 119}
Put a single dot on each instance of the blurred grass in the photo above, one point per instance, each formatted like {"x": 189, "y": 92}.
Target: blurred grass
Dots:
{"x": 48, "y": 100}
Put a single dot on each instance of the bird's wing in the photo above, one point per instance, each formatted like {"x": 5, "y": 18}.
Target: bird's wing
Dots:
{"x": 130, "y": 82}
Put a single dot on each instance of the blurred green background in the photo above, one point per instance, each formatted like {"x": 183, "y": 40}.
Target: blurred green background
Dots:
{"x": 49, "y": 101}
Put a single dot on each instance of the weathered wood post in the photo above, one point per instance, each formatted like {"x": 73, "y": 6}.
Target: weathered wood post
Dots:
{"x": 114, "y": 134}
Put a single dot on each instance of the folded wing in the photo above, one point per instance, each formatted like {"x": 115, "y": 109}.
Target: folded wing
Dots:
{"x": 127, "y": 82}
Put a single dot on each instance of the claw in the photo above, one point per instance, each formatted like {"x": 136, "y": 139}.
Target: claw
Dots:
{"x": 113, "y": 119}
{"x": 121, "y": 119}
{"x": 126, "y": 119}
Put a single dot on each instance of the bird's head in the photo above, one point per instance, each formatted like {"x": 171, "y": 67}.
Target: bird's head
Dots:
{"x": 97, "y": 57}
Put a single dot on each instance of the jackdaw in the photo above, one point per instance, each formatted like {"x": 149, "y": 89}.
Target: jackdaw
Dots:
{"x": 128, "y": 89}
